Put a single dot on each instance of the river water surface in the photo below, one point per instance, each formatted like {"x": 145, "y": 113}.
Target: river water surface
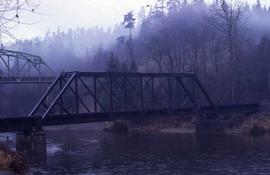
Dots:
{"x": 100, "y": 153}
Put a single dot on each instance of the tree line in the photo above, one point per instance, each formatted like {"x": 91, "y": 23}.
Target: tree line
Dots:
{"x": 226, "y": 43}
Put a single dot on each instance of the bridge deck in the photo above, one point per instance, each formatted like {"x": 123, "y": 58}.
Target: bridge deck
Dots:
{"x": 27, "y": 123}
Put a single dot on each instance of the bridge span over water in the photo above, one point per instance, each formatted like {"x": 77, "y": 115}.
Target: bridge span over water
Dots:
{"x": 85, "y": 97}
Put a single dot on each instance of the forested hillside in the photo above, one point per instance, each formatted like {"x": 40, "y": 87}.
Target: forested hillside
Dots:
{"x": 226, "y": 43}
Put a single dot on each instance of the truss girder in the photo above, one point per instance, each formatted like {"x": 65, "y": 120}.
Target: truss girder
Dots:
{"x": 21, "y": 65}
{"x": 76, "y": 93}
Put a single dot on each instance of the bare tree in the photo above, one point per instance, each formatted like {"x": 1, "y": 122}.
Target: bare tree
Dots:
{"x": 155, "y": 51}
{"x": 226, "y": 17}
{"x": 11, "y": 12}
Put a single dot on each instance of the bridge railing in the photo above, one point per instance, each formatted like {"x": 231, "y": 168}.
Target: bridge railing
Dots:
{"x": 96, "y": 92}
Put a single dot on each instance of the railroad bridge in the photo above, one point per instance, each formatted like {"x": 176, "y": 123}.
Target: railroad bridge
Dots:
{"x": 85, "y": 97}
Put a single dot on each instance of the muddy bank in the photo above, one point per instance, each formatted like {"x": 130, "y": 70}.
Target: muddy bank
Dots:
{"x": 11, "y": 162}
{"x": 156, "y": 125}
{"x": 80, "y": 127}
{"x": 254, "y": 124}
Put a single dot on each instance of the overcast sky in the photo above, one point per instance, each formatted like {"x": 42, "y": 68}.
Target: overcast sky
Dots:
{"x": 76, "y": 13}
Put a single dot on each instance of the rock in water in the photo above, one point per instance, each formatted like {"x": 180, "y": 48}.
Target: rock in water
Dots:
{"x": 117, "y": 127}
{"x": 257, "y": 130}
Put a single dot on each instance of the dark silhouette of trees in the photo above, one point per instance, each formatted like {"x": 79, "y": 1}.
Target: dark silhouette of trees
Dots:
{"x": 226, "y": 44}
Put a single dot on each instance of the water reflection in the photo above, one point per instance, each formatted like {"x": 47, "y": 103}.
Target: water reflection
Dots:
{"x": 87, "y": 152}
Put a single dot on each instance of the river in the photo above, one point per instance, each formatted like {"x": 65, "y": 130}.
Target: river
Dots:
{"x": 101, "y": 153}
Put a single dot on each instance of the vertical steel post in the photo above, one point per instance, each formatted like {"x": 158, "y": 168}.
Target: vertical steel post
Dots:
{"x": 111, "y": 93}
{"x": 95, "y": 92}
{"x": 8, "y": 66}
{"x": 77, "y": 95}
{"x": 17, "y": 65}
{"x": 152, "y": 92}
{"x": 141, "y": 94}
{"x": 194, "y": 89}
{"x": 29, "y": 67}
{"x": 125, "y": 91}
{"x": 169, "y": 93}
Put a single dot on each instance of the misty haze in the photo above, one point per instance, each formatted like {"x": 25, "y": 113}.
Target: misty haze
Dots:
{"x": 132, "y": 87}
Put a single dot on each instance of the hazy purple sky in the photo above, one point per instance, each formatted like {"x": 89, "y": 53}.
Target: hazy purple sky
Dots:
{"x": 73, "y": 13}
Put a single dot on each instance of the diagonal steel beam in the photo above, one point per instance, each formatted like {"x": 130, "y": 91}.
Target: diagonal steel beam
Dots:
{"x": 78, "y": 99}
{"x": 59, "y": 95}
{"x": 209, "y": 100}
{"x": 179, "y": 79}
{"x": 92, "y": 94}
{"x": 45, "y": 95}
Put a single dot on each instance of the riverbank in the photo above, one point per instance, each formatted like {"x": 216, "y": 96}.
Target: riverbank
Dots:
{"x": 258, "y": 123}
{"x": 11, "y": 162}
{"x": 253, "y": 124}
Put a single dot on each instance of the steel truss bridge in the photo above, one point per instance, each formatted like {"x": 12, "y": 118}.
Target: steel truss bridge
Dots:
{"x": 85, "y": 97}
{"x": 19, "y": 67}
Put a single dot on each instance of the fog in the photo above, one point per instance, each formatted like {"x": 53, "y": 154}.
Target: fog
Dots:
{"x": 176, "y": 36}
{"x": 82, "y": 13}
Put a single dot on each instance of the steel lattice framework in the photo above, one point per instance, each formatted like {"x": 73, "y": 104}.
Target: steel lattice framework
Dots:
{"x": 23, "y": 67}
{"x": 76, "y": 93}
{"x": 85, "y": 97}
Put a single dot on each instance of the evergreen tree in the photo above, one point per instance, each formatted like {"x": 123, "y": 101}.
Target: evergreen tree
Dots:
{"x": 113, "y": 64}
{"x": 129, "y": 22}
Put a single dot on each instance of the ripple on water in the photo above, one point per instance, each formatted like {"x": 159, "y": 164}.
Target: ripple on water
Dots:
{"x": 111, "y": 154}
{"x": 53, "y": 149}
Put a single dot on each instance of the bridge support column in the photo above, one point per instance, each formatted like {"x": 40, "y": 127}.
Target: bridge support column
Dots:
{"x": 32, "y": 145}
{"x": 209, "y": 125}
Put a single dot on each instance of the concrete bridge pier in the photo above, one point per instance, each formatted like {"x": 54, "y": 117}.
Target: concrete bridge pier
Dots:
{"x": 32, "y": 145}
{"x": 209, "y": 124}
